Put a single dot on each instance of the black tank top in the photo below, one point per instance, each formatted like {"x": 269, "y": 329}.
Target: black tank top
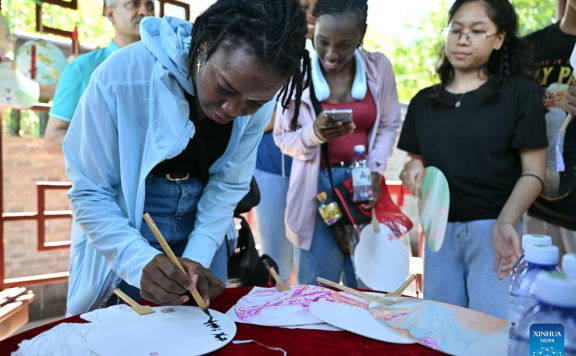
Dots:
{"x": 216, "y": 139}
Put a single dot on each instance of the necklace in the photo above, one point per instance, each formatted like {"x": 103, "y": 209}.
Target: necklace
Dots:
{"x": 459, "y": 101}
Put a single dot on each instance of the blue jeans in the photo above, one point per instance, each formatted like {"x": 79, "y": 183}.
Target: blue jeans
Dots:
{"x": 173, "y": 206}
{"x": 325, "y": 258}
{"x": 461, "y": 273}
{"x": 270, "y": 221}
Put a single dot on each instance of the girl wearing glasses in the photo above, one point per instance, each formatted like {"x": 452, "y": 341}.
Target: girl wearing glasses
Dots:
{"x": 483, "y": 127}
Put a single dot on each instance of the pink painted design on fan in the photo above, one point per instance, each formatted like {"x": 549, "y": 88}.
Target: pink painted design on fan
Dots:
{"x": 301, "y": 296}
{"x": 273, "y": 307}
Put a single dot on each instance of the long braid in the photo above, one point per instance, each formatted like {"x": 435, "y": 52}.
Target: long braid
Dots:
{"x": 274, "y": 30}
{"x": 504, "y": 72}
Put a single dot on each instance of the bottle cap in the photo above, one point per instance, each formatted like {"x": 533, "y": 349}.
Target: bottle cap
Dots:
{"x": 556, "y": 289}
{"x": 322, "y": 196}
{"x": 359, "y": 148}
{"x": 542, "y": 255}
{"x": 569, "y": 265}
{"x": 534, "y": 239}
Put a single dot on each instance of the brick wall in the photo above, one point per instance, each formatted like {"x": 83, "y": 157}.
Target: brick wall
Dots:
{"x": 24, "y": 163}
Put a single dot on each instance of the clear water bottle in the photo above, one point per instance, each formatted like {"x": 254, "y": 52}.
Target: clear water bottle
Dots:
{"x": 569, "y": 266}
{"x": 556, "y": 295}
{"x": 528, "y": 240}
{"x": 361, "y": 177}
{"x": 522, "y": 297}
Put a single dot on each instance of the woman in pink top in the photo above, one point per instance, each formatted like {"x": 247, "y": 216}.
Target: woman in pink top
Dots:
{"x": 344, "y": 77}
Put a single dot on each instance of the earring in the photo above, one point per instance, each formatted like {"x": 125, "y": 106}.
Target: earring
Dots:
{"x": 199, "y": 61}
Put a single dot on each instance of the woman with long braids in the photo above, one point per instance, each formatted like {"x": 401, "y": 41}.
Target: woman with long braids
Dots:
{"x": 483, "y": 127}
{"x": 344, "y": 76}
{"x": 135, "y": 146}
{"x": 273, "y": 175}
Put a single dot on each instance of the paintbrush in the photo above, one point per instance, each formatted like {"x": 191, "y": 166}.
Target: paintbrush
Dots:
{"x": 280, "y": 286}
{"x": 174, "y": 260}
{"x": 372, "y": 298}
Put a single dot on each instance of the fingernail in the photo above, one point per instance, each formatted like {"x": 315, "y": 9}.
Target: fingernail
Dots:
{"x": 207, "y": 301}
{"x": 185, "y": 299}
{"x": 195, "y": 278}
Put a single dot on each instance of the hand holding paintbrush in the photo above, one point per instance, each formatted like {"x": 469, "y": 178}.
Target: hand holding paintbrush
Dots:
{"x": 210, "y": 282}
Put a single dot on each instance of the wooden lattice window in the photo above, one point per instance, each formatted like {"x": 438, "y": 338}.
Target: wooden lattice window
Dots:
{"x": 40, "y": 27}
{"x": 175, "y": 8}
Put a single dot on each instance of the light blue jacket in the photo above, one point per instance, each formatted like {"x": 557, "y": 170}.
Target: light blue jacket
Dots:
{"x": 132, "y": 116}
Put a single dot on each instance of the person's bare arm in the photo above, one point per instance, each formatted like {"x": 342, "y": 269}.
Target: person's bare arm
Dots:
{"x": 54, "y": 135}
{"x": 526, "y": 190}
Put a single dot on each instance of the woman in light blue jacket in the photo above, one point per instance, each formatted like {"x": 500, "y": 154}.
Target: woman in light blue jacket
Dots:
{"x": 131, "y": 147}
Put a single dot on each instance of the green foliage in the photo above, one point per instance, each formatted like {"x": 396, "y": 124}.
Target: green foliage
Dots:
{"x": 415, "y": 61}
{"x": 93, "y": 28}
{"x": 535, "y": 15}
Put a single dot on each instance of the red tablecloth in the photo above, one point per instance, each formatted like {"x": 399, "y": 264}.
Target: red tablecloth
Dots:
{"x": 293, "y": 341}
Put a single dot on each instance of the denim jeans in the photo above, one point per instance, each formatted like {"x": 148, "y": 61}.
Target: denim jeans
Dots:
{"x": 173, "y": 206}
{"x": 270, "y": 221}
{"x": 325, "y": 258}
{"x": 461, "y": 273}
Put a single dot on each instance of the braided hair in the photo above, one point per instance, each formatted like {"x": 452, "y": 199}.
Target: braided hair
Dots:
{"x": 274, "y": 30}
{"x": 343, "y": 7}
{"x": 515, "y": 57}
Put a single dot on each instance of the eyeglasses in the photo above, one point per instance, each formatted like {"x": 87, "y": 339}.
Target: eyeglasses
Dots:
{"x": 452, "y": 35}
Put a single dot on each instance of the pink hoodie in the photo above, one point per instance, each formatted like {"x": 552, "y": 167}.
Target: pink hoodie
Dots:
{"x": 304, "y": 146}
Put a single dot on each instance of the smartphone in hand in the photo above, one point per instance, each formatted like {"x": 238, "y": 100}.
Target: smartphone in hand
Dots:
{"x": 344, "y": 115}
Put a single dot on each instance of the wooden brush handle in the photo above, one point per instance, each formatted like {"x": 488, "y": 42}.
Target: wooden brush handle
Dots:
{"x": 375, "y": 222}
{"x": 173, "y": 257}
{"x": 131, "y": 302}
{"x": 275, "y": 276}
{"x": 347, "y": 289}
{"x": 400, "y": 289}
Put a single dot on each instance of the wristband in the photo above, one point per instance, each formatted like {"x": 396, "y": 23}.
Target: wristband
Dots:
{"x": 535, "y": 176}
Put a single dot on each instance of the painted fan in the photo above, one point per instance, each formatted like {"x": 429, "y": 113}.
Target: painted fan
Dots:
{"x": 49, "y": 61}
{"x": 271, "y": 307}
{"x": 433, "y": 207}
{"x": 170, "y": 331}
{"x": 448, "y": 328}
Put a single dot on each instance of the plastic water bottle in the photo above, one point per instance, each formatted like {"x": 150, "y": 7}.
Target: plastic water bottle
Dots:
{"x": 361, "y": 177}
{"x": 569, "y": 266}
{"x": 522, "y": 298}
{"x": 528, "y": 240}
{"x": 556, "y": 295}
